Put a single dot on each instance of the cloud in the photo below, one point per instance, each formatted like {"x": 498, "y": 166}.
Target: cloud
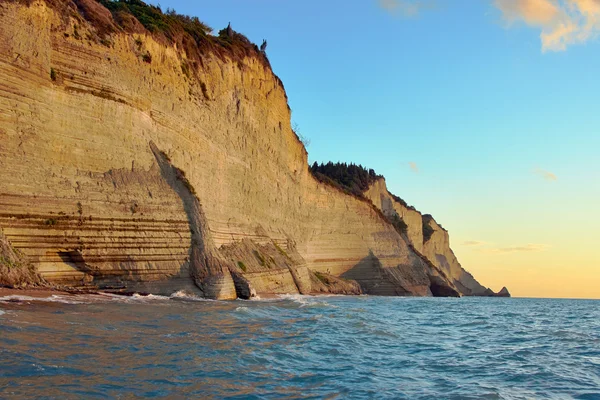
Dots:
{"x": 518, "y": 249}
{"x": 562, "y": 22}
{"x": 414, "y": 167}
{"x": 473, "y": 243}
{"x": 405, "y": 8}
{"x": 547, "y": 175}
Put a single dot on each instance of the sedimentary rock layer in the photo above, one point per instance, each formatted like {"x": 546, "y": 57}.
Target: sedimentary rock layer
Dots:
{"x": 123, "y": 170}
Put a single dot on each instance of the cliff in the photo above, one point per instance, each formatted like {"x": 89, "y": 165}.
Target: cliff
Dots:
{"x": 158, "y": 162}
{"x": 429, "y": 239}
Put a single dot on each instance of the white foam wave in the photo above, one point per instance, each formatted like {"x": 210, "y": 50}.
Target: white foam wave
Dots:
{"x": 184, "y": 295}
{"x": 306, "y": 301}
{"x": 52, "y": 299}
{"x": 2, "y": 312}
{"x": 137, "y": 296}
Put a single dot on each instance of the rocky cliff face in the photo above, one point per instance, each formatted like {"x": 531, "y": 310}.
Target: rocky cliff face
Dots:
{"x": 15, "y": 271}
{"x": 428, "y": 239}
{"x": 122, "y": 169}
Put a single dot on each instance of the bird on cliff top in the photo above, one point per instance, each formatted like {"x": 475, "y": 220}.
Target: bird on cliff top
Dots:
{"x": 229, "y": 30}
{"x": 263, "y": 46}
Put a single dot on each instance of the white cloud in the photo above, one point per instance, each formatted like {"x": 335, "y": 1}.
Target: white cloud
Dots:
{"x": 473, "y": 243}
{"x": 518, "y": 249}
{"x": 562, "y": 22}
{"x": 405, "y": 8}
{"x": 547, "y": 175}
{"x": 414, "y": 167}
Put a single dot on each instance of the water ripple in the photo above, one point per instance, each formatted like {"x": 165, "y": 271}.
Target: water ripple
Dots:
{"x": 299, "y": 347}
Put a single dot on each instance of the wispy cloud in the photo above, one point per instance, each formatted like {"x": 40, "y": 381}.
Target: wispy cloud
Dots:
{"x": 562, "y": 22}
{"x": 518, "y": 249}
{"x": 414, "y": 167}
{"x": 547, "y": 175}
{"x": 405, "y": 8}
{"x": 473, "y": 243}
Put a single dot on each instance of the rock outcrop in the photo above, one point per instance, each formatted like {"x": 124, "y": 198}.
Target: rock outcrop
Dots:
{"x": 15, "y": 271}
{"x": 428, "y": 239}
{"x": 131, "y": 162}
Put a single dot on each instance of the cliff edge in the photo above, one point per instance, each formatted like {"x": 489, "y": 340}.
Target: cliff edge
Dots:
{"x": 140, "y": 152}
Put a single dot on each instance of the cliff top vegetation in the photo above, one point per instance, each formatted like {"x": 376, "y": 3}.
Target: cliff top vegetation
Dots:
{"x": 350, "y": 178}
{"x": 354, "y": 180}
{"x": 193, "y": 36}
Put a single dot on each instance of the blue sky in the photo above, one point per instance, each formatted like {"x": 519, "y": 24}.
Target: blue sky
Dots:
{"x": 495, "y": 102}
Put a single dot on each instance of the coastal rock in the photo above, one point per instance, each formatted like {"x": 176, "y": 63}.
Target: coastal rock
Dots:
{"x": 15, "y": 271}
{"x": 132, "y": 164}
{"x": 428, "y": 239}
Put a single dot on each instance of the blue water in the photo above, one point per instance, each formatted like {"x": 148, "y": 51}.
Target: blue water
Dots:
{"x": 300, "y": 347}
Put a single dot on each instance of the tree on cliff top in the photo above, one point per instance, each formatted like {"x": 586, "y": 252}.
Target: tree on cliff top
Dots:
{"x": 351, "y": 178}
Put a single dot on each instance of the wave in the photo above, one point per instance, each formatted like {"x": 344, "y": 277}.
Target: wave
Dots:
{"x": 185, "y": 295}
{"x": 306, "y": 300}
{"x": 52, "y": 299}
{"x": 102, "y": 297}
{"x": 137, "y": 296}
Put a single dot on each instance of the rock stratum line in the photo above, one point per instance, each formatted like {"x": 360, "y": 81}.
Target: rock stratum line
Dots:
{"x": 129, "y": 165}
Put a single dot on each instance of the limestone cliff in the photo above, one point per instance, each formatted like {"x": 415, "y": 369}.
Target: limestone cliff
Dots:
{"x": 428, "y": 239}
{"x": 130, "y": 162}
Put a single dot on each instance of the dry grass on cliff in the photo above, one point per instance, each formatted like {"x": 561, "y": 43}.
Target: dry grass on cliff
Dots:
{"x": 193, "y": 36}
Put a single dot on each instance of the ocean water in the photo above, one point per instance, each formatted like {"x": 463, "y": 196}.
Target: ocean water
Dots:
{"x": 102, "y": 346}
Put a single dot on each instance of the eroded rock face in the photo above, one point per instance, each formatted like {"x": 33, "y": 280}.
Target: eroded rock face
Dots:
{"x": 95, "y": 140}
{"x": 15, "y": 271}
{"x": 430, "y": 240}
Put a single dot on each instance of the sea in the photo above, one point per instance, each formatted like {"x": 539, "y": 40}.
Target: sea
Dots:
{"x": 298, "y": 347}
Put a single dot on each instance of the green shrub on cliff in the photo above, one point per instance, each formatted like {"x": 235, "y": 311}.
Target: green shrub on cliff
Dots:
{"x": 322, "y": 278}
{"x": 242, "y": 266}
{"x": 427, "y": 229}
{"x": 259, "y": 257}
{"x": 153, "y": 19}
{"x": 398, "y": 224}
{"x": 401, "y": 201}
{"x": 188, "y": 33}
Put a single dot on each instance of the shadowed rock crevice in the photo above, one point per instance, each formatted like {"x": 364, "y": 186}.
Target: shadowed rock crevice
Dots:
{"x": 209, "y": 271}
{"x": 374, "y": 279}
{"x": 418, "y": 278}
{"x": 440, "y": 284}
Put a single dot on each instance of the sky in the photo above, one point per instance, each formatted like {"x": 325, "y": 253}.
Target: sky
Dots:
{"x": 484, "y": 113}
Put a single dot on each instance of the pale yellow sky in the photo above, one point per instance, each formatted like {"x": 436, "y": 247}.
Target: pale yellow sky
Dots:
{"x": 554, "y": 270}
